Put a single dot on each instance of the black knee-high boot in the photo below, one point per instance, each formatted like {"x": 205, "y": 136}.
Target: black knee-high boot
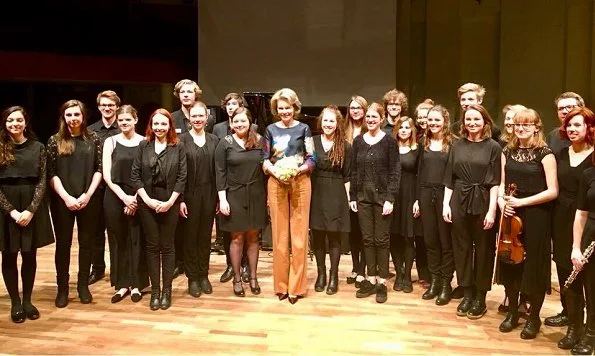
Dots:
{"x": 334, "y": 240}
{"x": 319, "y": 246}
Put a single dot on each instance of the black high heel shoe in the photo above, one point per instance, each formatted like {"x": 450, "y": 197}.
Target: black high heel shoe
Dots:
{"x": 238, "y": 288}
{"x": 282, "y": 296}
{"x": 256, "y": 289}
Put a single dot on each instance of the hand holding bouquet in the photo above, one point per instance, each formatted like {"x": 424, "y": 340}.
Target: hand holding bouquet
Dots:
{"x": 286, "y": 168}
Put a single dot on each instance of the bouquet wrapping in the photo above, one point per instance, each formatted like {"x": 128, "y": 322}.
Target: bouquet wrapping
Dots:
{"x": 287, "y": 167}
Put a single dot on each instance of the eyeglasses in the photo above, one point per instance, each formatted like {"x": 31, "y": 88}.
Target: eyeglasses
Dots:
{"x": 524, "y": 126}
{"x": 107, "y": 105}
{"x": 567, "y": 107}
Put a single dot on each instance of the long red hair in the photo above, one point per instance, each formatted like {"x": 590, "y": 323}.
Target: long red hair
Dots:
{"x": 172, "y": 137}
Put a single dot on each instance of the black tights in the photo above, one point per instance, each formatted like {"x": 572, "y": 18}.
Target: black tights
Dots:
{"x": 402, "y": 251}
{"x": 236, "y": 250}
{"x": 10, "y": 273}
{"x": 334, "y": 246}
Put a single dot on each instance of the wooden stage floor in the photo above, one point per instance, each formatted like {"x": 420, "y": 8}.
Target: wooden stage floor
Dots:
{"x": 222, "y": 323}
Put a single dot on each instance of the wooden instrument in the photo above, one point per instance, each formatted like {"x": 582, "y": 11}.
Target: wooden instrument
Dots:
{"x": 510, "y": 249}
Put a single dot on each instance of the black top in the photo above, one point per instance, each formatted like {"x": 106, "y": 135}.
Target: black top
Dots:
{"x": 173, "y": 167}
{"x": 122, "y": 159}
{"x": 431, "y": 167}
{"x": 472, "y": 169}
{"x": 183, "y": 123}
{"x": 75, "y": 170}
{"x": 104, "y": 132}
{"x": 388, "y": 128}
{"x": 568, "y": 177}
{"x": 555, "y": 142}
{"x": 383, "y": 159}
{"x": 26, "y": 155}
{"x": 524, "y": 168}
{"x": 586, "y": 202}
{"x": 223, "y": 129}
{"x": 200, "y": 161}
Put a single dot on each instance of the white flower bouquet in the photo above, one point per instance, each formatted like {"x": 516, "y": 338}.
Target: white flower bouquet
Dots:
{"x": 287, "y": 167}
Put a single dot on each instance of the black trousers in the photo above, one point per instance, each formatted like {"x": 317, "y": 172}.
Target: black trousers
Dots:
{"x": 159, "y": 229}
{"x": 375, "y": 229}
{"x": 474, "y": 250}
{"x": 128, "y": 267}
{"x": 98, "y": 262}
{"x": 63, "y": 220}
{"x": 201, "y": 205}
{"x": 437, "y": 238}
{"x": 356, "y": 244}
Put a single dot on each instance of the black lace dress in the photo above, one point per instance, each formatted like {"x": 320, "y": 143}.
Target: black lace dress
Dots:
{"x": 524, "y": 168}
{"x": 22, "y": 187}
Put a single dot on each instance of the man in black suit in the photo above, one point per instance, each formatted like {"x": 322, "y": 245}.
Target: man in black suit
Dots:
{"x": 188, "y": 92}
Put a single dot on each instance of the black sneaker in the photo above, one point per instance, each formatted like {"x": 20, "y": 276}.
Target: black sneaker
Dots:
{"x": 366, "y": 289}
{"x": 381, "y": 293}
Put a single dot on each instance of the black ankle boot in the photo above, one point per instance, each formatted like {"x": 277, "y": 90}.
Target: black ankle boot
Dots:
{"x": 333, "y": 282}
{"x": 531, "y": 328}
{"x": 576, "y": 315}
{"x": 165, "y": 299}
{"x": 155, "y": 302}
{"x": 321, "y": 279}
{"x": 407, "y": 284}
{"x": 572, "y": 337}
{"x": 445, "y": 292}
{"x": 84, "y": 293}
{"x": 585, "y": 345}
{"x": 398, "y": 286}
{"x": 62, "y": 296}
{"x": 510, "y": 322}
{"x": 434, "y": 289}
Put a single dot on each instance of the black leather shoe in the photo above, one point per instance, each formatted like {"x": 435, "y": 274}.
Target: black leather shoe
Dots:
{"x": 333, "y": 282}
{"x": 585, "y": 345}
{"x": 366, "y": 289}
{"x": 557, "y": 320}
{"x": 17, "y": 314}
{"x": 62, "y": 297}
{"x": 238, "y": 289}
{"x": 398, "y": 286}
{"x": 205, "y": 285}
{"x": 245, "y": 274}
{"x": 458, "y": 293}
{"x": 445, "y": 293}
{"x": 84, "y": 294}
{"x": 194, "y": 289}
{"x": 155, "y": 301}
{"x": 509, "y": 323}
{"x": 293, "y": 300}
{"x": 282, "y": 296}
{"x": 96, "y": 276}
{"x": 407, "y": 285}
{"x": 117, "y": 297}
{"x": 572, "y": 337}
{"x": 254, "y": 286}
{"x": 531, "y": 329}
{"x": 381, "y": 293}
{"x": 227, "y": 275}
{"x": 464, "y": 306}
{"x": 165, "y": 299}
{"x": 320, "y": 279}
{"x": 136, "y": 297}
{"x": 178, "y": 271}
{"x": 433, "y": 291}
{"x": 477, "y": 310}
{"x": 30, "y": 311}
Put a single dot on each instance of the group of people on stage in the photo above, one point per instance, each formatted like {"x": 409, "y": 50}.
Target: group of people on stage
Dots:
{"x": 419, "y": 188}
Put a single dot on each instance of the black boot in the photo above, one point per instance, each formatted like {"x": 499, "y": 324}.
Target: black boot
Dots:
{"x": 84, "y": 293}
{"x": 62, "y": 296}
{"x": 333, "y": 282}
{"x": 445, "y": 292}
{"x": 321, "y": 279}
{"x": 154, "y": 302}
{"x": 575, "y": 307}
{"x": 165, "y": 302}
{"x": 531, "y": 328}
{"x": 585, "y": 345}
{"x": 17, "y": 313}
{"x": 510, "y": 322}
{"x": 398, "y": 286}
{"x": 434, "y": 289}
{"x": 407, "y": 284}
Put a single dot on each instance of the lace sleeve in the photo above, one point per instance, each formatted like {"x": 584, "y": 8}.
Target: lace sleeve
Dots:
{"x": 52, "y": 156}
{"x": 5, "y": 204}
{"x": 544, "y": 151}
{"x": 98, "y": 153}
{"x": 40, "y": 188}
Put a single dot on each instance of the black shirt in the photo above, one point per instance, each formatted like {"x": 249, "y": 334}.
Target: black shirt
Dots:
{"x": 556, "y": 142}
{"x": 183, "y": 123}
{"x": 104, "y": 132}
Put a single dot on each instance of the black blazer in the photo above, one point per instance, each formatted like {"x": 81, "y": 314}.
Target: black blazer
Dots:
{"x": 187, "y": 142}
{"x": 175, "y": 162}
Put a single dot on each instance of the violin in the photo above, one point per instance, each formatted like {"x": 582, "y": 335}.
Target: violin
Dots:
{"x": 510, "y": 249}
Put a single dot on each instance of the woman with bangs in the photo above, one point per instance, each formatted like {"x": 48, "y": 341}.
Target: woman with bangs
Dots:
{"x": 471, "y": 181}
{"x": 25, "y": 222}
{"x": 374, "y": 189}
{"x": 289, "y": 159}
{"x": 577, "y": 127}
{"x": 404, "y": 226}
{"x": 430, "y": 194}
{"x": 530, "y": 164}
{"x": 508, "y": 132}
{"x": 127, "y": 253}
{"x": 329, "y": 210}
{"x": 74, "y": 171}
{"x": 355, "y": 126}
{"x": 421, "y": 117}
{"x": 158, "y": 177}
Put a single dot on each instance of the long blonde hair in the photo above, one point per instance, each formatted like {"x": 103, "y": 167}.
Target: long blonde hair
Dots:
{"x": 447, "y": 136}
{"x": 349, "y": 120}
{"x": 528, "y": 116}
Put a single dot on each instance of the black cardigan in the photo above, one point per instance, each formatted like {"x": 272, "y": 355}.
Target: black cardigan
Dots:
{"x": 386, "y": 160}
{"x": 175, "y": 162}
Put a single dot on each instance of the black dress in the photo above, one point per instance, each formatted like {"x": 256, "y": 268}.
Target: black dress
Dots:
{"x": 565, "y": 207}
{"x": 525, "y": 169}
{"x": 127, "y": 252}
{"x": 403, "y": 222}
{"x": 239, "y": 172}
{"x": 329, "y": 209}
{"x": 586, "y": 202}
{"x": 22, "y": 187}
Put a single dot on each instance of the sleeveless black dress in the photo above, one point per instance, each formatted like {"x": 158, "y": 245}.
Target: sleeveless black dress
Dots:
{"x": 404, "y": 224}
{"x": 22, "y": 187}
